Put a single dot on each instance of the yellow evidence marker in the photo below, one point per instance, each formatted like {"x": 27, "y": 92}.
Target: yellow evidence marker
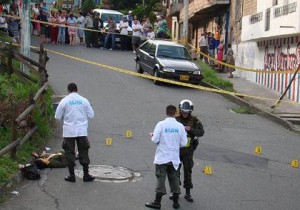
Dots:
{"x": 295, "y": 163}
{"x": 258, "y": 150}
{"x": 128, "y": 134}
{"x": 207, "y": 170}
{"x": 108, "y": 141}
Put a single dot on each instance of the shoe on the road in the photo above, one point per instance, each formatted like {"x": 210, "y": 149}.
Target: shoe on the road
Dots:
{"x": 189, "y": 198}
{"x": 153, "y": 205}
{"x": 70, "y": 178}
{"x": 88, "y": 178}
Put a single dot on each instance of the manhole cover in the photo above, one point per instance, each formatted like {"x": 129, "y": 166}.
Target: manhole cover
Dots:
{"x": 106, "y": 173}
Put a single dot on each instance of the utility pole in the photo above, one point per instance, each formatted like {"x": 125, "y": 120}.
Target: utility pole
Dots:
{"x": 185, "y": 22}
{"x": 25, "y": 31}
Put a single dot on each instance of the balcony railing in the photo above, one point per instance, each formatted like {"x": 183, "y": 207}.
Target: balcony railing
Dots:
{"x": 256, "y": 18}
{"x": 286, "y": 9}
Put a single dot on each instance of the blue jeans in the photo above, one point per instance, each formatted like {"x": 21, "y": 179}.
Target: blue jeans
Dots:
{"x": 61, "y": 35}
{"x": 107, "y": 37}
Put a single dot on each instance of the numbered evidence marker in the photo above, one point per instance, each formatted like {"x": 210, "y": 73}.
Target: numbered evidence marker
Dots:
{"x": 258, "y": 150}
{"x": 128, "y": 134}
{"x": 108, "y": 141}
{"x": 295, "y": 163}
{"x": 207, "y": 170}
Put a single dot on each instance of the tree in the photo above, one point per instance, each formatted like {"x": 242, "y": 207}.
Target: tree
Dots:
{"x": 4, "y": 1}
{"x": 88, "y": 5}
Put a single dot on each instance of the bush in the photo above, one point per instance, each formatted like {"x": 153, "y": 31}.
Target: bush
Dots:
{"x": 88, "y": 5}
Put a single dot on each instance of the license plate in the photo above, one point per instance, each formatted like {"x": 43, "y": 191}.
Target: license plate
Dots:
{"x": 184, "y": 77}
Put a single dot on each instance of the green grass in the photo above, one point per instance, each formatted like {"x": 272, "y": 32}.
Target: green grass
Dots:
{"x": 243, "y": 110}
{"x": 11, "y": 87}
{"x": 211, "y": 77}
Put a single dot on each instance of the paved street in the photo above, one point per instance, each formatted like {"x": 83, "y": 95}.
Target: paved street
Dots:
{"x": 241, "y": 180}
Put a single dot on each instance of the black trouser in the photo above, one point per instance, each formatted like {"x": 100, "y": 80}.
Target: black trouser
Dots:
{"x": 124, "y": 42}
{"x": 161, "y": 172}
{"x": 186, "y": 157}
{"x": 89, "y": 37}
{"x": 83, "y": 146}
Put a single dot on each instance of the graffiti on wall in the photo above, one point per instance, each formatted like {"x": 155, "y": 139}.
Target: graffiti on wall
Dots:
{"x": 281, "y": 54}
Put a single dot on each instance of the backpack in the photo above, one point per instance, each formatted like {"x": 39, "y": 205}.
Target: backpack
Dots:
{"x": 31, "y": 172}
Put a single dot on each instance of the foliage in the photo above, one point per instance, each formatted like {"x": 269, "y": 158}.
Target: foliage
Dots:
{"x": 243, "y": 110}
{"x": 4, "y": 1}
{"x": 88, "y": 5}
{"x": 12, "y": 86}
{"x": 211, "y": 77}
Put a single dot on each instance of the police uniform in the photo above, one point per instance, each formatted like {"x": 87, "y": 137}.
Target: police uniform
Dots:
{"x": 75, "y": 110}
{"x": 186, "y": 153}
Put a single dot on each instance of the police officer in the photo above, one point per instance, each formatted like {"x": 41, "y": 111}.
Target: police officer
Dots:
{"x": 75, "y": 110}
{"x": 194, "y": 129}
{"x": 169, "y": 135}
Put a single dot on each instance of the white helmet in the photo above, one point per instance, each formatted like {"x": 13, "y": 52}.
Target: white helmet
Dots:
{"x": 186, "y": 106}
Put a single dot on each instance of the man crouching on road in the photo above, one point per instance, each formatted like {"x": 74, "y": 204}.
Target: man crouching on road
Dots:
{"x": 169, "y": 135}
{"x": 75, "y": 110}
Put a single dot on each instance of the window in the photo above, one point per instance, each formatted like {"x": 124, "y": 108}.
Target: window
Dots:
{"x": 267, "y": 26}
{"x": 152, "y": 49}
{"x": 275, "y": 2}
{"x": 145, "y": 46}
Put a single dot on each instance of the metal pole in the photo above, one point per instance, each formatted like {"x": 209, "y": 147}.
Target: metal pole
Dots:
{"x": 185, "y": 22}
{"x": 25, "y": 31}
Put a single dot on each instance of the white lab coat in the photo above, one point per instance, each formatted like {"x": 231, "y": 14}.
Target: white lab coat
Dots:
{"x": 169, "y": 135}
{"x": 74, "y": 110}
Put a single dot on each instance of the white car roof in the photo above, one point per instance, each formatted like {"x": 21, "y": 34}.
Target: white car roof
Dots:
{"x": 110, "y": 11}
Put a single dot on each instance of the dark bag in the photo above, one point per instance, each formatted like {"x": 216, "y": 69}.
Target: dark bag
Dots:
{"x": 31, "y": 172}
{"x": 195, "y": 143}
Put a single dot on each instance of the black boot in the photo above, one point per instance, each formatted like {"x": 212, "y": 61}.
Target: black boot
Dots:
{"x": 171, "y": 196}
{"x": 71, "y": 177}
{"x": 86, "y": 176}
{"x": 156, "y": 203}
{"x": 188, "y": 196}
{"x": 175, "y": 201}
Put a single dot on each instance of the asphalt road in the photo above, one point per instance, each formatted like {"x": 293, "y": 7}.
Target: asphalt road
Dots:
{"x": 240, "y": 180}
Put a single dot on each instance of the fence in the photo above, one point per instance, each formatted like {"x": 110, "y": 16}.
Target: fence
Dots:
{"x": 8, "y": 53}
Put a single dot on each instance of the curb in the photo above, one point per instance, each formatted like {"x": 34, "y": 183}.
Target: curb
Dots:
{"x": 7, "y": 187}
{"x": 242, "y": 102}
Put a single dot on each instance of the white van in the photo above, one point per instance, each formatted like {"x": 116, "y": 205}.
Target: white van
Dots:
{"x": 116, "y": 15}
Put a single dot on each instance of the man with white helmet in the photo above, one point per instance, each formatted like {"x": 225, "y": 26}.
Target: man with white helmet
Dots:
{"x": 194, "y": 129}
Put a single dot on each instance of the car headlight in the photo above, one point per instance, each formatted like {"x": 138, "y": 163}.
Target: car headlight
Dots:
{"x": 165, "y": 69}
{"x": 197, "y": 72}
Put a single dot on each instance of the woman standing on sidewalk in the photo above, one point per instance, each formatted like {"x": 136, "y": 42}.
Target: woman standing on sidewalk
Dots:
{"x": 54, "y": 28}
{"x": 230, "y": 60}
{"x": 220, "y": 53}
{"x": 71, "y": 30}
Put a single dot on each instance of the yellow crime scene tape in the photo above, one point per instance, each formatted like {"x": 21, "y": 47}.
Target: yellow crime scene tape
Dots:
{"x": 240, "y": 67}
{"x": 117, "y": 69}
{"x": 156, "y": 78}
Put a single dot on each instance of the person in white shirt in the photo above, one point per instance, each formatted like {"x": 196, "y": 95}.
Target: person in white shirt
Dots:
{"x": 203, "y": 43}
{"x": 80, "y": 25}
{"x": 169, "y": 135}
{"x": 75, "y": 110}
{"x": 124, "y": 32}
{"x": 151, "y": 34}
{"x": 136, "y": 34}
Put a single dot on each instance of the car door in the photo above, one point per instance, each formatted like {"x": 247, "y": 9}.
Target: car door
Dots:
{"x": 142, "y": 52}
{"x": 150, "y": 58}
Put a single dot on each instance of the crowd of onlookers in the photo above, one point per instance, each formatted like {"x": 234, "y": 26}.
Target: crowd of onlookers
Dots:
{"x": 213, "y": 45}
{"x": 65, "y": 27}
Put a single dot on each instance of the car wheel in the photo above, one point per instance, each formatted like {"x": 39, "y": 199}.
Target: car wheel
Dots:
{"x": 138, "y": 67}
{"x": 156, "y": 82}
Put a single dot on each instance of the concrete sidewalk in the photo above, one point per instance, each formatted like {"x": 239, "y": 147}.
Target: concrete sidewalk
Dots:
{"x": 286, "y": 114}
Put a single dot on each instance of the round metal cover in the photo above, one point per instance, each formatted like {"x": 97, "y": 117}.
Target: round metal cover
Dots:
{"x": 106, "y": 173}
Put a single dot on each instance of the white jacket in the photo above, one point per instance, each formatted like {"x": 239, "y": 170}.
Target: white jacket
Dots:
{"x": 74, "y": 110}
{"x": 169, "y": 135}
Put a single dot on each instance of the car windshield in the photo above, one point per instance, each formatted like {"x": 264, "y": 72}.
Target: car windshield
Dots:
{"x": 116, "y": 17}
{"x": 175, "y": 52}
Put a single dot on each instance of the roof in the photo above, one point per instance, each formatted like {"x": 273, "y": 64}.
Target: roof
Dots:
{"x": 166, "y": 42}
{"x": 110, "y": 11}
